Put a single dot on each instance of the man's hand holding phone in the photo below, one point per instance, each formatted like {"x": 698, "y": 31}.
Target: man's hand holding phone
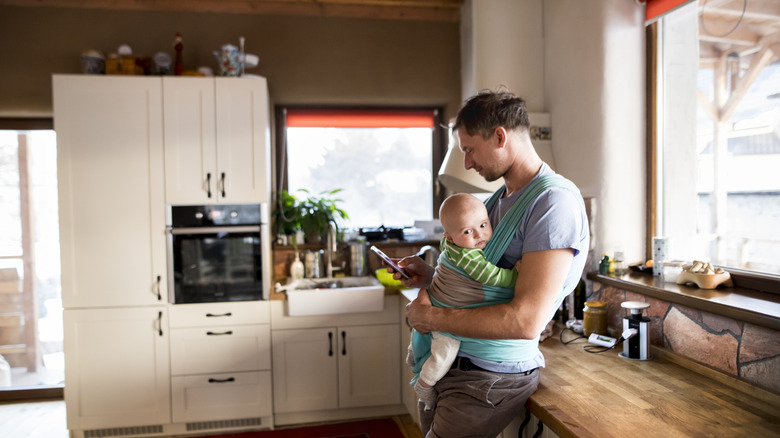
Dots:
{"x": 389, "y": 262}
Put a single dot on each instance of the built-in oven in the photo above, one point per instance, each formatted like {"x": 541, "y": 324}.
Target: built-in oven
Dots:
{"x": 218, "y": 253}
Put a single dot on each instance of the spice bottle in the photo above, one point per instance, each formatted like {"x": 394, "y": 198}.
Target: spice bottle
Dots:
{"x": 620, "y": 264}
{"x": 594, "y": 318}
{"x": 604, "y": 265}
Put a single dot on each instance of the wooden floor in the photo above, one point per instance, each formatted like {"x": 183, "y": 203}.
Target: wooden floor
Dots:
{"x": 46, "y": 419}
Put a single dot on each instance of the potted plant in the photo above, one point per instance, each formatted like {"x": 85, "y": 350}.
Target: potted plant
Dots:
{"x": 287, "y": 216}
{"x": 318, "y": 212}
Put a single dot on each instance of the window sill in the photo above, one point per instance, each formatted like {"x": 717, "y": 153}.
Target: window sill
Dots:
{"x": 755, "y": 307}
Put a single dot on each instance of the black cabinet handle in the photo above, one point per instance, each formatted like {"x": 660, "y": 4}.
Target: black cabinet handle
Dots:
{"x": 229, "y": 332}
{"x": 159, "y": 323}
{"x": 208, "y": 183}
{"x": 330, "y": 343}
{"x": 223, "y": 184}
{"x": 211, "y": 315}
{"x": 229, "y": 379}
{"x": 343, "y": 343}
{"x": 159, "y": 295}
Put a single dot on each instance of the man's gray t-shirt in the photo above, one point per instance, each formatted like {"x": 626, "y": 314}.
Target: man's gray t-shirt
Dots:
{"x": 555, "y": 220}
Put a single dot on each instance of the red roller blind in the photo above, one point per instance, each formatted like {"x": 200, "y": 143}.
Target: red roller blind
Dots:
{"x": 655, "y": 8}
{"x": 359, "y": 118}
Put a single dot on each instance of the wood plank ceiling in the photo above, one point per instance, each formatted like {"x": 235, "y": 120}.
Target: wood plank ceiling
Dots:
{"x": 428, "y": 10}
{"x": 738, "y": 28}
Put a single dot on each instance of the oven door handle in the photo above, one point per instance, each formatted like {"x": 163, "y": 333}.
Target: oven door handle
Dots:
{"x": 213, "y": 230}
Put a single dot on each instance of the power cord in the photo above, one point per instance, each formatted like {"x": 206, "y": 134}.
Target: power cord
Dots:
{"x": 605, "y": 343}
{"x": 579, "y": 336}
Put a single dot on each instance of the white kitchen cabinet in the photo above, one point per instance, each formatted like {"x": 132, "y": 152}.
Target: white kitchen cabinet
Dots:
{"x": 217, "y": 140}
{"x": 333, "y": 367}
{"x": 111, "y": 185}
{"x": 221, "y": 364}
{"x": 336, "y": 367}
{"x": 116, "y": 370}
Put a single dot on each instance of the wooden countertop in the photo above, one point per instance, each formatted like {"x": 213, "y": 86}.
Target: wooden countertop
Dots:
{"x": 601, "y": 395}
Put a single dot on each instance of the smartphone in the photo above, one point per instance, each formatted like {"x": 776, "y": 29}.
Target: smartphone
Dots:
{"x": 387, "y": 260}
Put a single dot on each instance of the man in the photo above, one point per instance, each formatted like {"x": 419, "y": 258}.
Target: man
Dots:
{"x": 478, "y": 397}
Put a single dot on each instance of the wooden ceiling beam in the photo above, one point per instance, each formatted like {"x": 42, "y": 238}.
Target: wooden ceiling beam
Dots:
{"x": 424, "y": 10}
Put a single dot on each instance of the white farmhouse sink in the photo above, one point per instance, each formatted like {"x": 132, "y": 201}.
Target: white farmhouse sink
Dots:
{"x": 330, "y": 296}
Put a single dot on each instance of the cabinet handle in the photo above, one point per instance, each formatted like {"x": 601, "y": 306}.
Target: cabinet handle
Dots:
{"x": 159, "y": 295}
{"x": 330, "y": 343}
{"x": 229, "y": 379}
{"x": 159, "y": 323}
{"x": 343, "y": 343}
{"x": 223, "y": 184}
{"x": 229, "y": 332}
{"x": 208, "y": 183}
{"x": 211, "y": 315}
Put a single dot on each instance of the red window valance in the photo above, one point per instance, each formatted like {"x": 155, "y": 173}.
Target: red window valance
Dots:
{"x": 324, "y": 118}
{"x": 654, "y": 9}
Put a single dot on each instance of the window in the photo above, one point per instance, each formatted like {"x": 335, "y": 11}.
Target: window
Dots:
{"x": 384, "y": 161}
{"x": 718, "y": 127}
{"x": 31, "y": 330}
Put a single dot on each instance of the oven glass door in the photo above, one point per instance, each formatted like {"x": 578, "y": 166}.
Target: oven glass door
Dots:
{"x": 211, "y": 266}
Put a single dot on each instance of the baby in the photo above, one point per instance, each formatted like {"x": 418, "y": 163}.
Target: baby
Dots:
{"x": 467, "y": 230}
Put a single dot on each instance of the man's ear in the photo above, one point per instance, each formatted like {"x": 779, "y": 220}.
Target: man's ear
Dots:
{"x": 501, "y": 136}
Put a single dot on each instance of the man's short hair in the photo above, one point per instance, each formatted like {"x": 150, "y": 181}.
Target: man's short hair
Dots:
{"x": 486, "y": 111}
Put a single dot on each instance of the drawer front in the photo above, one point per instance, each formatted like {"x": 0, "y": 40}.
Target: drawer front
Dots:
{"x": 220, "y": 349}
{"x": 221, "y": 396}
{"x": 213, "y": 314}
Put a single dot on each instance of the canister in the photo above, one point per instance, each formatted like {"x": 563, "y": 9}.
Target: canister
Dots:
{"x": 313, "y": 264}
{"x": 357, "y": 258}
{"x": 594, "y": 318}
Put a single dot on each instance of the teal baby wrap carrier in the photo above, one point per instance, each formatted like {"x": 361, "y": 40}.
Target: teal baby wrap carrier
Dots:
{"x": 496, "y": 350}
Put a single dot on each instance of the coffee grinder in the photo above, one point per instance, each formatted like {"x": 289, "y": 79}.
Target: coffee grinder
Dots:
{"x": 637, "y": 346}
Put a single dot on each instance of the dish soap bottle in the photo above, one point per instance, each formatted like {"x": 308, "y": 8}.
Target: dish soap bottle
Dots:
{"x": 296, "y": 269}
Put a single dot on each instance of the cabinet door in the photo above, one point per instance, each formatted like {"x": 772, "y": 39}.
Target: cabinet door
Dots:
{"x": 110, "y": 171}
{"x": 190, "y": 141}
{"x": 369, "y": 366}
{"x": 243, "y": 140}
{"x": 304, "y": 370}
{"x": 116, "y": 368}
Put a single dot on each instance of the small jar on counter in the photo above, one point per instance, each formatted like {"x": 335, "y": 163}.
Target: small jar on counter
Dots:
{"x": 594, "y": 318}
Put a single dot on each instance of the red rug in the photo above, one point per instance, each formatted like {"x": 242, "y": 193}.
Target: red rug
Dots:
{"x": 383, "y": 428}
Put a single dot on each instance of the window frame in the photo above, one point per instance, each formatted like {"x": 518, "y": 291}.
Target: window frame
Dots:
{"x": 439, "y": 142}
{"x": 741, "y": 278}
{"x": 14, "y": 394}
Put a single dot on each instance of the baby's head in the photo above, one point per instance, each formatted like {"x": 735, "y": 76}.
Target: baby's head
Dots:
{"x": 465, "y": 221}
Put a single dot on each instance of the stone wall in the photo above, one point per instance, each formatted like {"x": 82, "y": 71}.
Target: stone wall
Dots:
{"x": 743, "y": 350}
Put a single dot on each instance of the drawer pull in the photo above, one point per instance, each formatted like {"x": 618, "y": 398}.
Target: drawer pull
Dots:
{"x": 343, "y": 343}
{"x": 229, "y": 379}
{"x": 211, "y": 315}
{"x": 229, "y": 332}
{"x": 330, "y": 343}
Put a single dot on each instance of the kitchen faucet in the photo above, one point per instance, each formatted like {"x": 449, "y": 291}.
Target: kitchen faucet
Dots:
{"x": 332, "y": 246}
{"x": 433, "y": 261}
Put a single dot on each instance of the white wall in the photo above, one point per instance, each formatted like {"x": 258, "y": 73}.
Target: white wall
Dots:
{"x": 582, "y": 62}
{"x": 502, "y": 44}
